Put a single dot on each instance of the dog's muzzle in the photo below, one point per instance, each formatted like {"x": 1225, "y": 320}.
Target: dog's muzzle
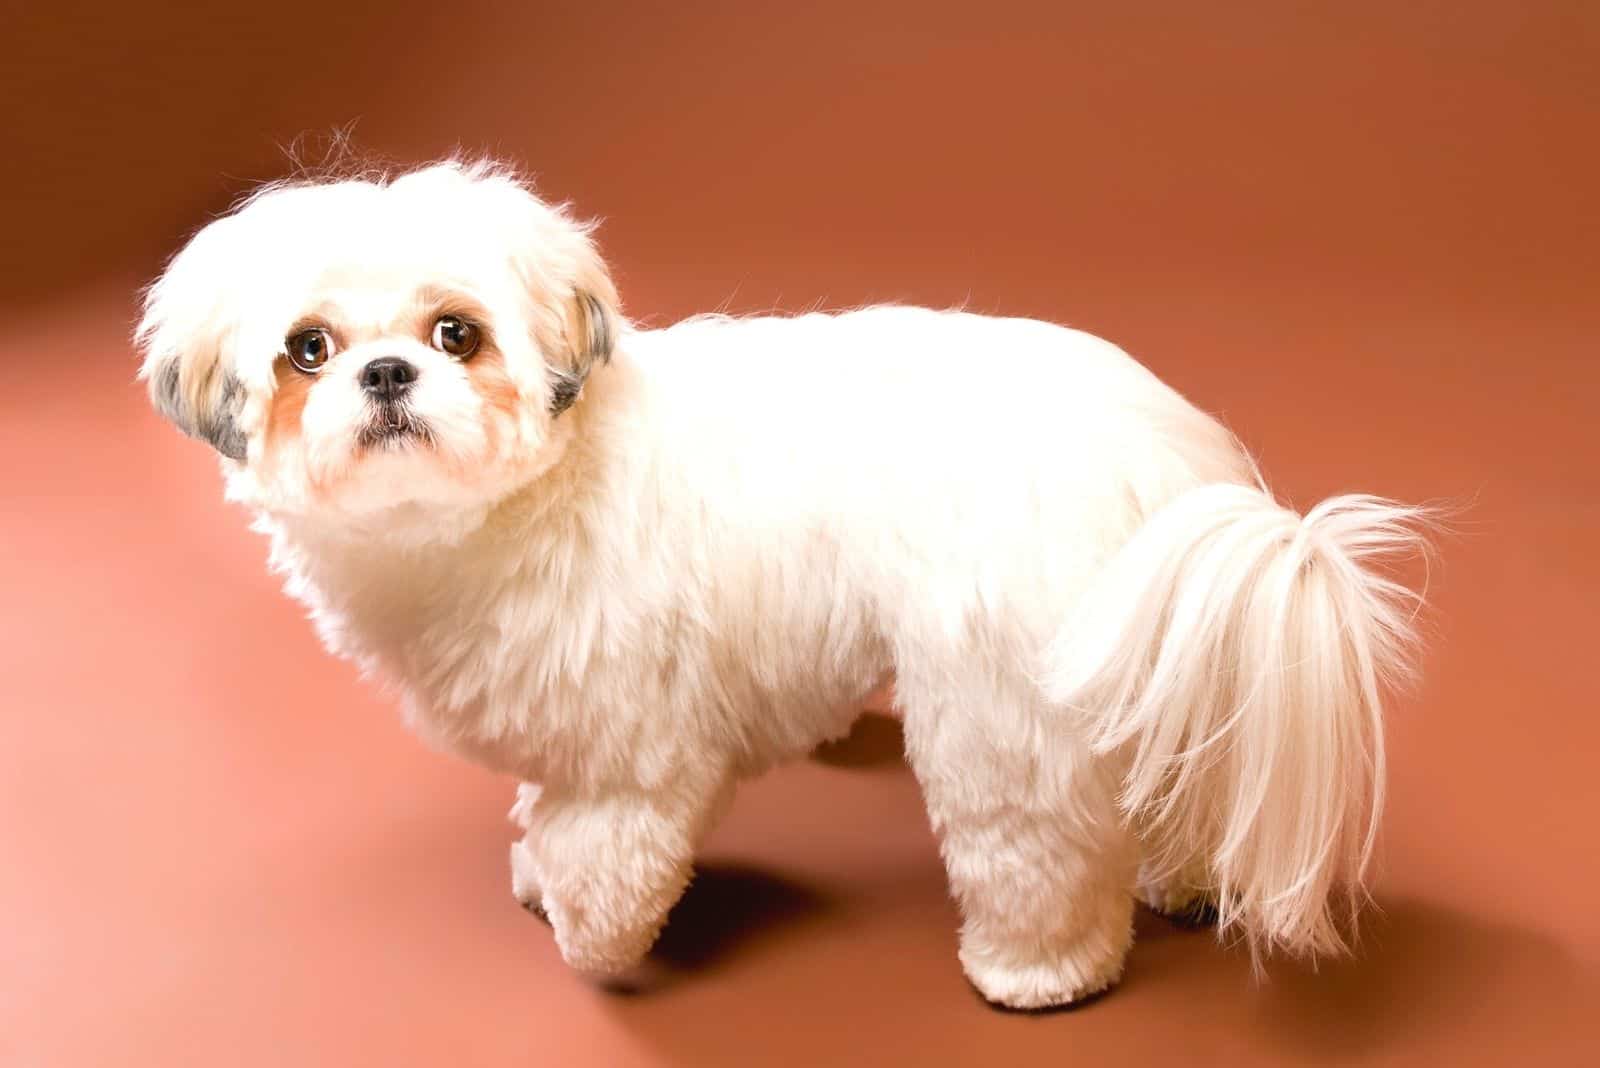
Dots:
{"x": 387, "y": 381}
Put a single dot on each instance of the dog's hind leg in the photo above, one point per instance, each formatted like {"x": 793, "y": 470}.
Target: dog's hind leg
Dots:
{"x": 1039, "y": 861}
{"x": 1182, "y": 896}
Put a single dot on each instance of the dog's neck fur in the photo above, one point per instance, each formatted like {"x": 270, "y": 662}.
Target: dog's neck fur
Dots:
{"x": 412, "y": 609}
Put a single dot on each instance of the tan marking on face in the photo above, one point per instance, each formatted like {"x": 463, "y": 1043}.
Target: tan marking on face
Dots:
{"x": 486, "y": 366}
{"x": 288, "y": 404}
{"x": 486, "y": 371}
{"x": 487, "y": 377}
{"x": 284, "y": 423}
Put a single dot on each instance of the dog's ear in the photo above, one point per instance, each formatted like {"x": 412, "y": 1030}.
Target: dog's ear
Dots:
{"x": 590, "y": 327}
{"x": 182, "y": 336}
{"x": 204, "y": 407}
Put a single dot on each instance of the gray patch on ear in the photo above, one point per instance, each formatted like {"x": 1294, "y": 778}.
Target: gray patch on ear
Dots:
{"x": 564, "y": 389}
{"x": 216, "y": 426}
{"x": 600, "y": 339}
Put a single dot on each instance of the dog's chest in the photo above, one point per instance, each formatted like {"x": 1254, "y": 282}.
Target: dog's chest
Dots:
{"x": 479, "y": 650}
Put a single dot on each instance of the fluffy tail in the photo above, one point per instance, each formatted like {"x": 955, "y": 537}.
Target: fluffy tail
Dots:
{"x": 1236, "y": 654}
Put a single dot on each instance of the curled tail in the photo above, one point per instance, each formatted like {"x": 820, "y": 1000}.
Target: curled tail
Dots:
{"x": 1236, "y": 653}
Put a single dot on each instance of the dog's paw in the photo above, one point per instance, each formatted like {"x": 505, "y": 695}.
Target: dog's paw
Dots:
{"x": 1030, "y": 984}
{"x": 1180, "y": 903}
{"x": 1180, "y": 896}
{"x": 524, "y": 883}
{"x": 1034, "y": 976}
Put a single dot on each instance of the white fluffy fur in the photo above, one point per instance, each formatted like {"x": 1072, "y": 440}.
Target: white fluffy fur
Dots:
{"x": 1121, "y": 666}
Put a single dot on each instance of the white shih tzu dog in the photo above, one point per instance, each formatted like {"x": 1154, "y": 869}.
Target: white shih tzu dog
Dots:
{"x": 633, "y": 567}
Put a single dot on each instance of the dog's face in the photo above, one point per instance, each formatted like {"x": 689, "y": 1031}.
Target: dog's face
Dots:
{"x": 367, "y": 351}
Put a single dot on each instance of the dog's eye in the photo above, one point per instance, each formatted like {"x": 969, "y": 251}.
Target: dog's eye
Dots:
{"x": 455, "y": 336}
{"x": 309, "y": 350}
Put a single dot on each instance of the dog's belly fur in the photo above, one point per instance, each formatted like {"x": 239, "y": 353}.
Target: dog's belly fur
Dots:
{"x": 762, "y": 520}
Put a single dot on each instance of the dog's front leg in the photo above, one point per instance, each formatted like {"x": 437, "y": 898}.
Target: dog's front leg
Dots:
{"x": 607, "y": 868}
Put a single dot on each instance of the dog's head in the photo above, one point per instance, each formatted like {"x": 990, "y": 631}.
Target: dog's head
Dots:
{"x": 363, "y": 348}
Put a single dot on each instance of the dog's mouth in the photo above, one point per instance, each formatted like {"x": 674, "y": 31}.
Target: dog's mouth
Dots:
{"x": 393, "y": 425}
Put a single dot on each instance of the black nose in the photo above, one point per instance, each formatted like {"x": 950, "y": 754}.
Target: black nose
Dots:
{"x": 388, "y": 377}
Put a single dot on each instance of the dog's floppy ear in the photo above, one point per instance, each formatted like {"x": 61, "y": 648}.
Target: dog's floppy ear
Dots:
{"x": 204, "y": 407}
{"x": 182, "y": 336}
{"x": 589, "y": 333}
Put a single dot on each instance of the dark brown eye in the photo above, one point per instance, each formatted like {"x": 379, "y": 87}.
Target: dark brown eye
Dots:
{"x": 455, "y": 336}
{"x": 309, "y": 350}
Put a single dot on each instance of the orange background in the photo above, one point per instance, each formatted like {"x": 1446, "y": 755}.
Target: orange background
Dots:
{"x": 1364, "y": 233}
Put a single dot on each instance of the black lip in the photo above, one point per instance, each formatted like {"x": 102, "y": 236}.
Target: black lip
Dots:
{"x": 392, "y": 424}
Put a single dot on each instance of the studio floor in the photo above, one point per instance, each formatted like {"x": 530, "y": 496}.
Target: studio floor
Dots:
{"x": 1365, "y": 238}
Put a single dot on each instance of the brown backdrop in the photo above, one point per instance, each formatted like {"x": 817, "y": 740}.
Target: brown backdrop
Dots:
{"x": 1365, "y": 233}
